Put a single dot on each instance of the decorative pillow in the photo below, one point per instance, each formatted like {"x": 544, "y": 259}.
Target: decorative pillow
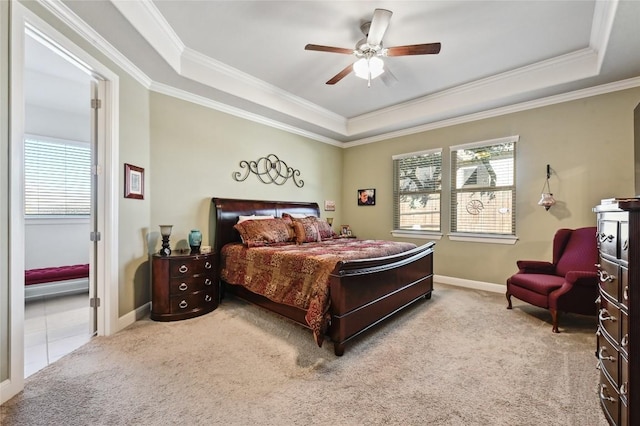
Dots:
{"x": 306, "y": 230}
{"x": 325, "y": 230}
{"x": 253, "y": 217}
{"x": 262, "y": 232}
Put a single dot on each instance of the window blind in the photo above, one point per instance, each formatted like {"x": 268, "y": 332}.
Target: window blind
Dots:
{"x": 483, "y": 192}
{"x": 57, "y": 177}
{"x": 416, "y": 192}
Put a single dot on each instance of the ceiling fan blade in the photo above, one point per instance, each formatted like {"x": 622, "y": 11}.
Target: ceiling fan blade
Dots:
{"x": 388, "y": 78}
{"x": 331, "y": 49}
{"x": 342, "y": 74}
{"x": 379, "y": 25}
{"x": 414, "y": 49}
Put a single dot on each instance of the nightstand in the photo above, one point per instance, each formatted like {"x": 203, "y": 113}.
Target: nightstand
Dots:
{"x": 183, "y": 286}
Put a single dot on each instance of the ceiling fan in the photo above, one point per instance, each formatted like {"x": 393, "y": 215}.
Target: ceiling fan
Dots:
{"x": 369, "y": 51}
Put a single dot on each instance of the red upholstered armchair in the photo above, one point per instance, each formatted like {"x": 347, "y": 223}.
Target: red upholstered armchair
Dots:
{"x": 568, "y": 284}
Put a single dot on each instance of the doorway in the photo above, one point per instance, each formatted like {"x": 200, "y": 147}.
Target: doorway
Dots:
{"x": 60, "y": 203}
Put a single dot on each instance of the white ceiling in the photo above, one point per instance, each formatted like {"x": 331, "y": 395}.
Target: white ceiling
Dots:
{"x": 248, "y": 57}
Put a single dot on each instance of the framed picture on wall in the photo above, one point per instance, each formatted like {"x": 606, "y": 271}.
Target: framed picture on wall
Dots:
{"x": 133, "y": 182}
{"x": 367, "y": 197}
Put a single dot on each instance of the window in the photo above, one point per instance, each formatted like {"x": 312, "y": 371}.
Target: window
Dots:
{"x": 416, "y": 192}
{"x": 483, "y": 193}
{"x": 57, "y": 177}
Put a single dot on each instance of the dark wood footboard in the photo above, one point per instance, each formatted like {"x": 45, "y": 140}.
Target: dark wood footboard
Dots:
{"x": 365, "y": 292}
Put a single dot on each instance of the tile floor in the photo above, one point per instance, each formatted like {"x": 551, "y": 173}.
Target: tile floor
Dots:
{"x": 53, "y": 327}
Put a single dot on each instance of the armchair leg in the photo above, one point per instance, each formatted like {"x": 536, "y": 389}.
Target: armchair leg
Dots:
{"x": 508, "y": 295}
{"x": 554, "y": 320}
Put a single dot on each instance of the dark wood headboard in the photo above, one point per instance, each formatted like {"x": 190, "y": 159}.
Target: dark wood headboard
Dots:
{"x": 228, "y": 210}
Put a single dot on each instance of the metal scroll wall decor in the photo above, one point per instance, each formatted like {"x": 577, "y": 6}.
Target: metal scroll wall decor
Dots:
{"x": 269, "y": 169}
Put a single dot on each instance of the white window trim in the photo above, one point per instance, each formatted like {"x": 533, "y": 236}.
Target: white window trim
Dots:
{"x": 483, "y": 238}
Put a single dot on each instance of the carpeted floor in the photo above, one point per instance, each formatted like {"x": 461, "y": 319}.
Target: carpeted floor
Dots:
{"x": 460, "y": 358}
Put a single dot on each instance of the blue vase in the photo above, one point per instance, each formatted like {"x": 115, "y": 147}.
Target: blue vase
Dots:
{"x": 195, "y": 240}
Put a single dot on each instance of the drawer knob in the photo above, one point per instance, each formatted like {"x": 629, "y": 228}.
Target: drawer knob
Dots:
{"x": 606, "y": 277}
{"x": 625, "y": 245}
{"x": 625, "y": 292}
{"x": 602, "y": 357}
{"x": 625, "y": 341}
{"x": 183, "y": 304}
{"x": 606, "y": 316}
{"x": 207, "y": 265}
{"x": 598, "y": 300}
{"x": 183, "y": 269}
{"x": 208, "y": 281}
{"x": 603, "y": 396}
{"x": 208, "y": 298}
{"x": 183, "y": 287}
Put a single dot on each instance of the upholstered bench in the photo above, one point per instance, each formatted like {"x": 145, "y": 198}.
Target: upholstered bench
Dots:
{"x": 56, "y": 280}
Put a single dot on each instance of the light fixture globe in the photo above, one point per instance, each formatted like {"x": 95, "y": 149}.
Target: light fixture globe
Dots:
{"x": 546, "y": 200}
{"x": 366, "y": 68}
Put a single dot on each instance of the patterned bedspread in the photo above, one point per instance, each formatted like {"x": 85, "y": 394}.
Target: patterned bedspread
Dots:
{"x": 298, "y": 275}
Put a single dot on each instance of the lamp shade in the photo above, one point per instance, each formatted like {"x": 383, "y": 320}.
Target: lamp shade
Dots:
{"x": 165, "y": 230}
{"x": 365, "y": 66}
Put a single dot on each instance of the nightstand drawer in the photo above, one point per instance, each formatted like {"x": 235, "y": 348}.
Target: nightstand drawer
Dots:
{"x": 608, "y": 237}
{"x": 190, "y": 284}
{"x": 200, "y": 264}
{"x": 193, "y": 301}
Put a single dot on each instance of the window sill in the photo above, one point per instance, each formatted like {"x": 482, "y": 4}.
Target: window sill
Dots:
{"x": 422, "y": 235}
{"x": 483, "y": 238}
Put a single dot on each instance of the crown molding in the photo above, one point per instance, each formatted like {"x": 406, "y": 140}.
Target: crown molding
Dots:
{"x": 149, "y": 22}
{"x": 603, "y": 17}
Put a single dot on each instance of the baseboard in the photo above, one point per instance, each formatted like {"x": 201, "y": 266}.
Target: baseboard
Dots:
{"x": 475, "y": 285}
{"x": 133, "y": 316}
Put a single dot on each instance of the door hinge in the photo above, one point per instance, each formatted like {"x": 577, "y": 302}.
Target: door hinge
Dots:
{"x": 94, "y": 302}
{"x": 96, "y": 103}
{"x": 94, "y": 236}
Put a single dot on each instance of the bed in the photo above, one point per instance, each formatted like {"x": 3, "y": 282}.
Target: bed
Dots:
{"x": 361, "y": 292}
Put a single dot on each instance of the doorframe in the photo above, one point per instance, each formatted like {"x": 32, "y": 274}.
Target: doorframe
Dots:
{"x": 107, "y": 191}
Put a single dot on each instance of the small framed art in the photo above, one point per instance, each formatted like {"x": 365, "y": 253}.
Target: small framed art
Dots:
{"x": 329, "y": 206}
{"x": 133, "y": 182}
{"x": 367, "y": 197}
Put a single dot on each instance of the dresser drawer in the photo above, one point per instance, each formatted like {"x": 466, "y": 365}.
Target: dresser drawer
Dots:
{"x": 196, "y": 265}
{"x": 608, "y": 277}
{"x": 609, "y": 399}
{"x": 190, "y": 284}
{"x": 193, "y": 301}
{"x": 608, "y": 359}
{"x": 609, "y": 318}
{"x": 608, "y": 237}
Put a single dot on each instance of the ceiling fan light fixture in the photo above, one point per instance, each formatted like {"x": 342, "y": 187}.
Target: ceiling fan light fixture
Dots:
{"x": 368, "y": 68}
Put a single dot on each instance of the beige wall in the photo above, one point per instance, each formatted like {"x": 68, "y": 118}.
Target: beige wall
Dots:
{"x": 588, "y": 143}
{"x": 195, "y": 150}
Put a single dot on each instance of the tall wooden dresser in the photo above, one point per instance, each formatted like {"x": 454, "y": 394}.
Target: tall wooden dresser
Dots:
{"x": 618, "y": 335}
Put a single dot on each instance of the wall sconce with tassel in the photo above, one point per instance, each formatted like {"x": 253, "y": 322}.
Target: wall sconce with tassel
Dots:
{"x": 547, "y": 200}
